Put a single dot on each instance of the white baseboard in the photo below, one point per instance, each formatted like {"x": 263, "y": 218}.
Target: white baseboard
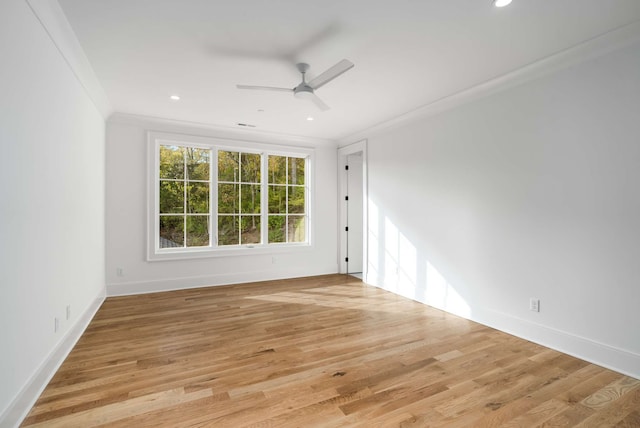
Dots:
{"x": 26, "y": 398}
{"x": 616, "y": 359}
{"x": 182, "y": 283}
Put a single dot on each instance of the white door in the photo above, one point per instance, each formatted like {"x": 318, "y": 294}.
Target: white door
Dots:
{"x": 354, "y": 213}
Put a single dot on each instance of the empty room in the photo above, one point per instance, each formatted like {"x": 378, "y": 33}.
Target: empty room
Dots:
{"x": 355, "y": 213}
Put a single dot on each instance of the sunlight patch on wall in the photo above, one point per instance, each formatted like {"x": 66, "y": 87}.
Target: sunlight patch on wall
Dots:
{"x": 440, "y": 294}
{"x": 373, "y": 271}
{"x": 397, "y": 265}
{"x": 391, "y": 254}
{"x": 407, "y": 264}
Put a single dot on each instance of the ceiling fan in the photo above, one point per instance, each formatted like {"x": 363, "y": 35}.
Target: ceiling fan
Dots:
{"x": 305, "y": 90}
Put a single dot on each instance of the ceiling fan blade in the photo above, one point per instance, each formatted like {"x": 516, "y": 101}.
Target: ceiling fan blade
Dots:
{"x": 264, "y": 88}
{"x": 318, "y": 102}
{"x": 335, "y": 71}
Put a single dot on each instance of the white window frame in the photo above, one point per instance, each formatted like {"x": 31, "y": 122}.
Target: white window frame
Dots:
{"x": 156, "y": 139}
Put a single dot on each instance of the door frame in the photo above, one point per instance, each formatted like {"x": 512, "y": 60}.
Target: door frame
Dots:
{"x": 343, "y": 153}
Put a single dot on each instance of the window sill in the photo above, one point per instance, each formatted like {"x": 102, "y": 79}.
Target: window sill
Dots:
{"x": 240, "y": 251}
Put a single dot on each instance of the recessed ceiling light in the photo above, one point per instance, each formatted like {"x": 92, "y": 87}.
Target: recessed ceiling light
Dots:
{"x": 501, "y": 3}
{"x": 309, "y": 118}
{"x": 174, "y": 97}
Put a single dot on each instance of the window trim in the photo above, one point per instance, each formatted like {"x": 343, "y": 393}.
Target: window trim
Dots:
{"x": 155, "y": 139}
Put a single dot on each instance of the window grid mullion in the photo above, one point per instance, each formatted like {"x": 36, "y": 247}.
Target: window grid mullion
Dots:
{"x": 239, "y": 213}
{"x": 286, "y": 199}
{"x": 264, "y": 199}
{"x": 184, "y": 201}
{"x": 213, "y": 199}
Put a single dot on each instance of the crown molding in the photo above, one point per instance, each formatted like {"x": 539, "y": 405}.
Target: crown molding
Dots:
{"x": 594, "y": 47}
{"x": 55, "y": 23}
{"x": 218, "y": 131}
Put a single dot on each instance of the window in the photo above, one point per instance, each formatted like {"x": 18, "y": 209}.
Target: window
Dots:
{"x": 239, "y": 202}
{"x": 210, "y": 198}
{"x": 287, "y": 198}
{"x": 184, "y": 214}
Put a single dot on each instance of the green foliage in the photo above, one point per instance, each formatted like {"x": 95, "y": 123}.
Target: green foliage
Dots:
{"x": 172, "y": 229}
{"x": 197, "y": 231}
{"x": 286, "y": 196}
{"x": 198, "y": 198}
{"x": 228, "y": 199}
{"x": 297, "y": 229}
{"x": 198, "y": 163}
{"x": 228, "y": 229}
{"x": 277, "y": 169}
{"x": 277, "y": 199}
{"x": 181, "y": 169}
{"x": 296, "y": 200}
{"x": 171, "y": 197}
{"x": 284, "y": 228}
{"x": 277, "y": 228}
{"x": 171, "y": 162}
{"x": 285, "y": 171}
{"x": 296, "y": 170}
{"x": 185, "y": 194}
{"x": 250, "y": 165}
{"x": 235, "y": 229}
{"x": 240, "y": 195}
{"x": 174, "y": 158}
{"x": 250, "y": 229}
{"x": 250, "y": 195}
{"x": 228, "y": 166}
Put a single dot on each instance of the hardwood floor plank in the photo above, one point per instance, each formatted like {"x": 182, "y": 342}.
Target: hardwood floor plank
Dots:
{"x": 631, "y": 421}
{"x": 538, "y": 415}
{"x": 114, "y": 411}
{"x": 615, "y": 411}
{"x": 570, "y": 417}
{"x": 553, "y": 382}
{"x": 610, "y": 393}
{"x": 324, "y": 351}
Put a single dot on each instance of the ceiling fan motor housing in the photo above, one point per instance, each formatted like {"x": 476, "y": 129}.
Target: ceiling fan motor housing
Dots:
{"x": 302, "y": 67}
{"x": 303, "y": 91}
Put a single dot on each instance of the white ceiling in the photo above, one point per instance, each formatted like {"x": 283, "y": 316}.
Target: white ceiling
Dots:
{"x": 407, "y": 53}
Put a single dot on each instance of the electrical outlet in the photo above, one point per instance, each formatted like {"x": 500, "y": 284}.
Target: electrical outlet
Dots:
{"x": 56, "y": 324}
{"x": 119, "y": 271}
{"x": 534, "y": 305}
{"x": 68, "y": 312}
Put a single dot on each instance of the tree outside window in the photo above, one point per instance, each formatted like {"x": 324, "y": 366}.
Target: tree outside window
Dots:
{"x": 287, "y": 199}
{"x": 184, "y": 212}
{"x": 239, "y": 190}
{"x": 218, "y": 198}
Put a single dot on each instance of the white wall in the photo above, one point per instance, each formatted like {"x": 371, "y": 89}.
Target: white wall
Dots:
{"x": 51, "y": 207}
{"x": 530, "y": 192}
{"x": 127, "y": 218}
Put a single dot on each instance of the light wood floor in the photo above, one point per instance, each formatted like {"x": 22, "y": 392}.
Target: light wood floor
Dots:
{"x": 325, "y": 351}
